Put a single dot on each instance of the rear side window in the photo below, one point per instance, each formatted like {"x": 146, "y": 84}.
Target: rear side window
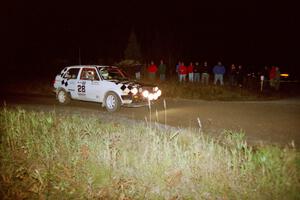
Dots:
{"x": 72, "y": 73}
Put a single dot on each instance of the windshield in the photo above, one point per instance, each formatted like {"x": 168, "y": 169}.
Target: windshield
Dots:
{"x": 111, "y": 73}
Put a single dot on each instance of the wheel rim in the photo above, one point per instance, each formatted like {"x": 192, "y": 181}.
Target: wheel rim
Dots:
{"x": 110, "y": 102}
{"x": 61, "y": 97}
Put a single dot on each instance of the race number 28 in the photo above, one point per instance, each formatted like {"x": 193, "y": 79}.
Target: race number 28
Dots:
{"x": 81, "y": 88}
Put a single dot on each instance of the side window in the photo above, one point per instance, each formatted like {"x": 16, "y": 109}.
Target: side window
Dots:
{"x": 72, "y": 73}
{"x": 89, "y": 74}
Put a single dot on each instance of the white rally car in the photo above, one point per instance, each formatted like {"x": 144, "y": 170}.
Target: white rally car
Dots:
{"x": 103, "y": 84}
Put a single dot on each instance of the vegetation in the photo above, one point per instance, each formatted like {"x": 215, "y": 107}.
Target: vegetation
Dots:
{"x": 170, "y": 89}
{"x": 47, "y": 155}
{"x": 133, "y": 48}
{"x": 29, "y": 87}
{"x": 174, "y": 89}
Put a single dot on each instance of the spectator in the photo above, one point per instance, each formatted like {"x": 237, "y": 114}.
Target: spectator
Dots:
{"x": 275, "y": 78}
{"x": 162, "y": 70}
{"x": 197, "y": 72}
{"x": 177, "y": 69}
{"x": 272, "y": 76}
{"x": 240, "y": 76}
{"x": 204, "y": 73}
{"x": 219, "y": 71}
{"x": 232, "y": 75}
{"x": 264, "y": 76}
{"x": 152, "y": 69}
{"x": 190, "y": 69}
{"x": 251, "y": 80}
{"x": 138, "y": 69}
{"x": 182, "y": 72}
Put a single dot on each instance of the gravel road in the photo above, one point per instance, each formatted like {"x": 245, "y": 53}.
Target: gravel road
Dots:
{"x": 275, "y": 122}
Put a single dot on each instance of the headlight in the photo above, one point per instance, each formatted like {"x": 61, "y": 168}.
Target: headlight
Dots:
{"x": 145, "y": 93}
{"x": 155, "y": 89}
{"x": 158, "y": 93}
{"x": 134, "y": 91}
{"x": 155, "y": 96}
{"x": 151, "y": 96}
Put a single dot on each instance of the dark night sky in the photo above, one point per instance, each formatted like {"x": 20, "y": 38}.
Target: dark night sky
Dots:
{"x": 38, "y": 33}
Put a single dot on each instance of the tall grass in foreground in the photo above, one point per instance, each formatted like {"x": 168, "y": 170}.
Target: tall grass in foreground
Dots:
{"x": 68, "y": 157}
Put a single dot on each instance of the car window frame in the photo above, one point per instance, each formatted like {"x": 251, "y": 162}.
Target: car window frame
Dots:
{"x": 96, "y": 75}
{"x": 65, "y": 75}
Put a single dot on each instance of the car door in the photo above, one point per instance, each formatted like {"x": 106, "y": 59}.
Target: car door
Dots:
{"x": 88, "y": 85}
{"x": 70, "y": 81}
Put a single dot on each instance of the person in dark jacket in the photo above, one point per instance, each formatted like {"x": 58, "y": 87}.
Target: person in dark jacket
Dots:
{"x": 240, "y": 76}
{"x": 232, "y": 75}
{"x": 204, "y": 70}
{"x": 219, "y": 71}
{"x": 138, "y": 69}
{"x": 162, "y": 70}
{"x": 197, "y": 72}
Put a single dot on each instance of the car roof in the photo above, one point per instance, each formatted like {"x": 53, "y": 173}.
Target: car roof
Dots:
{"x": 79, "y": 66}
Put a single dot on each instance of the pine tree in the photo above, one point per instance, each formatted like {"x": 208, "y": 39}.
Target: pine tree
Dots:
{"x": 133, "y": 51}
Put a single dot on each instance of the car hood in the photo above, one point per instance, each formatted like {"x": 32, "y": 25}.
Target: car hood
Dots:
{"x": 128, "y": 85}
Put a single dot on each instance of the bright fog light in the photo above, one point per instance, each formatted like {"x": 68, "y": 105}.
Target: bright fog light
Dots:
{"x": 145, "y": 93}
{"x": 158, "y": 93}
{"x": 134, "y": 91}
{"x": 155, "y": 96}
{"x": 284, "y": 75}
{"x": 155, "y": 89}
{"x": 151, "y": 96}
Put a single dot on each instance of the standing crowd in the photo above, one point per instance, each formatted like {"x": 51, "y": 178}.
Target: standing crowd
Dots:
{"x": 195, "y": 73}
{"x": 203, "y": 73}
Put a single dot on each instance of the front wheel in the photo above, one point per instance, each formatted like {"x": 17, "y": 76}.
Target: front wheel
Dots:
{"x": 112, "y": 102}
{"x": 63, "y": 97}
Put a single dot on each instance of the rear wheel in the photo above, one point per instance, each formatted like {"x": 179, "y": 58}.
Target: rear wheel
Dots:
{"x": 112, "y": 102}
{"x": 63, "y": 97}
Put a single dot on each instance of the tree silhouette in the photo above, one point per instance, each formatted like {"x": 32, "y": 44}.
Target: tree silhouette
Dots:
{"x": 133, "y": 51}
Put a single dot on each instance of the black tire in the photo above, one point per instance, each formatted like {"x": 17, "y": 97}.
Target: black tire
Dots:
{"x": 63, "y": 97}
{"x": 112, "y": 102}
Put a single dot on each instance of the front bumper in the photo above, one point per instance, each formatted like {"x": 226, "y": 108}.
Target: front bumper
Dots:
{"x": 137, "y": 105}
{"x": 134, "y": 98}
{"x": 136, "y": 101}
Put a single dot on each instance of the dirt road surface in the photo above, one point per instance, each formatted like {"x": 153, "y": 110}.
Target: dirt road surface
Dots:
{"x": 275, "y": 122}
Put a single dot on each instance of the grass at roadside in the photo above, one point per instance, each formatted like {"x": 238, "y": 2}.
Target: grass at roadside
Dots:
{"x": 68, "y": 157}
{"x": 36, "y": 87}
{"x": 206, "y": 92}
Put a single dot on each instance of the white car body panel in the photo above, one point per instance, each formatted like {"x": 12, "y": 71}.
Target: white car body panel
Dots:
{"x": 95, "y": 89}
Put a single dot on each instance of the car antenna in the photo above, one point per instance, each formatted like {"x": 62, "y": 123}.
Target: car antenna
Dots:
{"x": 79, "y": 56}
